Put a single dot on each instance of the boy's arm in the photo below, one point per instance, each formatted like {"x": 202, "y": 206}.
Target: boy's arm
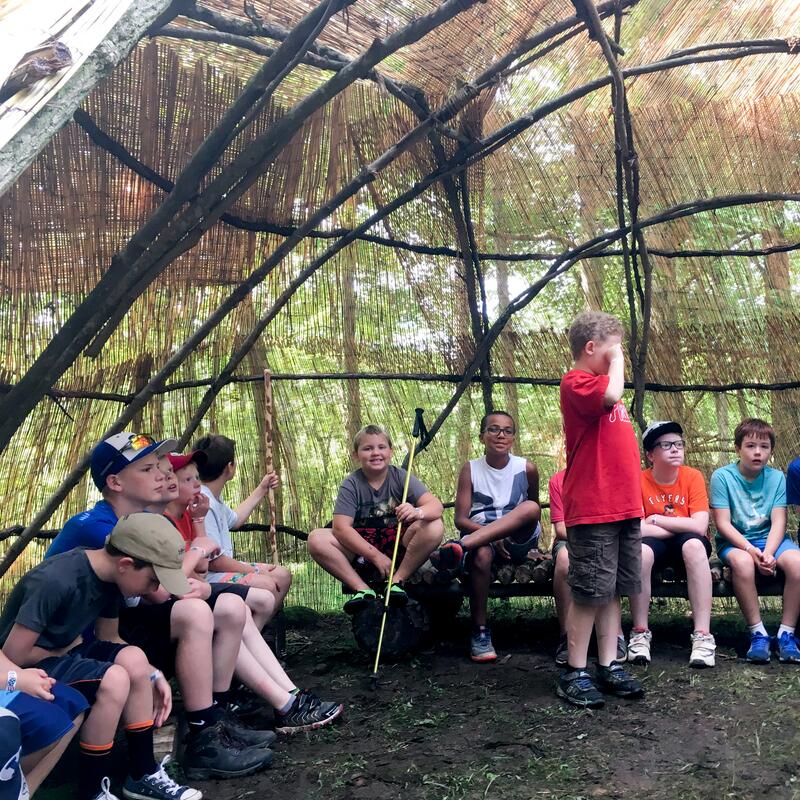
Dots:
{"x": 32, "y": 681}
{"x": 777, "y": 532}
{"x": 696, "y": 523}
{"x": 532, "y": 473}
{"x": 616, "y": 376}
{"x": 428, "y": 507}
{"x": 107, "y": 630}
{"x": 246, "y": 507}
{"x": 722, "y": 519}
{"x": 349, "y": 538}
{"x": 228, "y": 564}
{"x": 21, "y": 647}
{"x": 560, "y": 529}
{"x": 653, "y": 530}
{"x": 464, "y": 502}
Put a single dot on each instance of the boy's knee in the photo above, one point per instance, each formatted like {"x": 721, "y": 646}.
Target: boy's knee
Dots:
{"x": 562, "y": 561}
{"x": 191, "y": 617}
{"x": 229, "y": 611}
{"x": 648, "y": 556}
{"x": 694, "y": 552}
{"x": 741, "y": 564}
{"x": 790, "y": 565}
{"x": 318, "y": 541}
{"x": 282, "y": 577}
{"x": 482, "y": 558}
{"x": 114, "y": 687}
{"x": 261, "y": 601}
{"x": 134, "y": 661}
{"x": 530, "y": 510}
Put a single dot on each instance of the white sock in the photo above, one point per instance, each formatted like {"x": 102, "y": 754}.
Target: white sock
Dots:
{"x": 785, "y": 629}
{"x": 758, "y": 628}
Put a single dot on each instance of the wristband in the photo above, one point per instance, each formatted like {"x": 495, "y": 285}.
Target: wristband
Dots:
{"x": 11, "y": 681}
{"x": 199, "y": 550}
{"x": 198, "y": 519}
{"x": 420, "y": 514}
{"x": 155, "y": 676}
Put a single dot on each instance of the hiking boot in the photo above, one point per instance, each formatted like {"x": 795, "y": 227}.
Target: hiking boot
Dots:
{"x": 397, "y": 596}
{"x": 614, "y": 679}
{"x": 703, "y": 647}
{"x": 788, "y": 653}
{"x": 639, "y": 647}
{"x": 214, "y": 753}
{"x": 359, "y": 600}
{"x": 158, "y": 786}
{"x": 450, "y": 557}
{"x": 562, "y": 652}
{"x": 480, "y": 646}
{"x": 576, "y": 687}
{"x": 759, "y": 649}
{"x": 105, "y": 791}
{"x": 249, "y": 737}
{"x": 622, "y": 649}
{"x": 307, "y": 713}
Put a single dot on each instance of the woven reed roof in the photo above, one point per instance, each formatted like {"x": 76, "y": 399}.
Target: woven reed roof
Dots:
{"x": 701, "y": 131}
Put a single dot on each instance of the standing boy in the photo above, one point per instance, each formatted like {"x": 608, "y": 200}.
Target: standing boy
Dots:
{"x": 674, "y": 533}
{"x": 602, "y": 508}
{"x": 497, "y": 513}
{"x": 368, "y": 509}
{"x": 749, "y": 502}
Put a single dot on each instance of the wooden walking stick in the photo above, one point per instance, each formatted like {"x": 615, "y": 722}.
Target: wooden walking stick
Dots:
{"x": 273, "y": 534}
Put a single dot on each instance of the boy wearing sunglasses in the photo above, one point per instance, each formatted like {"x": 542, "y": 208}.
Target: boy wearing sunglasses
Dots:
{"x": 497, "y": 513}
{"x": 674, "y": 533}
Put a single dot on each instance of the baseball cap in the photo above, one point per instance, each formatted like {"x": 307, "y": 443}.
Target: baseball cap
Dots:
{"x": 179, "y": 461}
{"x": 112, "y": 455}
{"x": 658, "y": 429}
{"x": 154, "y": 539}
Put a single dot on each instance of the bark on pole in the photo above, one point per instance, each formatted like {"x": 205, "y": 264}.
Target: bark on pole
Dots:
{"x": 268, "y": 411}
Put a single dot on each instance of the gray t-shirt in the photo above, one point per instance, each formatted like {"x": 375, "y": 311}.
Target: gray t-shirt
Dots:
{"x": 59, "y": 599}
{"x": 374, "y": 508}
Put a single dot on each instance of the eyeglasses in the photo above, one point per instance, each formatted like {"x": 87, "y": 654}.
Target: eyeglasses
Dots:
{"x": 136, "y": 442}
{"x": 678, "y": 444}
{"x": 496, "y": 430}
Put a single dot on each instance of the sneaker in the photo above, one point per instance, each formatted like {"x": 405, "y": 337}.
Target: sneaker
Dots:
{"x": 249, "y": 737}
{"x": 703, "y": 647}
{"x": 577, "y": 687}
{"x": 105, "y": 791}
{"x": 450, "y": 557}
{"x": 214, "y": 753}
{"x": 359, "y": 600}
{"x": 480, "y": 646}
{"x": 158, "y": 786}
{"x": 614, "y": 679}
{"x": 397, "y": 596}
{"x": 307, "y": 713}
{"x": 639, "y": 647}
{"x": 622, "y": 649}
{"x": 759, "y": 649}
{"x": 788, "y": 653}
{"x": 562, "y": 652}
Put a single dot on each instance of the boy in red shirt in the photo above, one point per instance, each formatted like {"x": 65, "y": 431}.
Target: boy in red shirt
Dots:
{"x": 674, "y": 532}
{"x": 602, "y": 508}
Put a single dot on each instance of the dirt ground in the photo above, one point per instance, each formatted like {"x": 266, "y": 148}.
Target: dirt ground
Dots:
{"x": 442, "y": 728}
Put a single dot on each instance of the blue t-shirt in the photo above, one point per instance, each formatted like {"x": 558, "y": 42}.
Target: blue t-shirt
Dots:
{"x": 87, "y": 529}
{"x": 750, "y": 502}
{"x": 793, "y": 483}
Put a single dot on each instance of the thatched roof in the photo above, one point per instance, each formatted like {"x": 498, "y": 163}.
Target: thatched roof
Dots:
{"x": 716, "y": 172}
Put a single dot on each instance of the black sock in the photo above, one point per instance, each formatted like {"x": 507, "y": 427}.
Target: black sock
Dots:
{"x": 95, "y": 764}
{"x": 141, "y": 760}
{"x": 223, "y": 699}
{"x": 203, "y": 718}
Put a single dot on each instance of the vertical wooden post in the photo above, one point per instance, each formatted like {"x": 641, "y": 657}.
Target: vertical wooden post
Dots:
{"x": 273, "y": 535}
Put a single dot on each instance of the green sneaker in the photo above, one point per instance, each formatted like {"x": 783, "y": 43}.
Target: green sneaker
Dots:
{"x": 359, "y": 600}
{"x": 397, "y": 596}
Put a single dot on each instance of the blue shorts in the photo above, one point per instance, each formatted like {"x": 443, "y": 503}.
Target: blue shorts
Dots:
{"x": 784, "y": 547}
{"x": 12, "y": 786}
{"x": 43, "y": 722}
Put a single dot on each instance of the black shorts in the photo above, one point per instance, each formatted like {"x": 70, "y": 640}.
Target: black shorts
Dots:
{"x": 227, "y": 588}
{"x": 669, "y": 552}
{"x": 84, "y": 666}
{"x": 605, "y": 561}
{"x": 150, "y": 627}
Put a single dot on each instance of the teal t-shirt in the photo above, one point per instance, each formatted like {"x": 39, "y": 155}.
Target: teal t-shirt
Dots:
{"x": 750, "y": 502}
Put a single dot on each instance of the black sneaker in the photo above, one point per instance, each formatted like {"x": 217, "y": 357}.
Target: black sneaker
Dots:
{"x": 213, "y": 753}
{"x": 576, "y": 687}
{"x": 307, "y": 713}
{"x": 562, "y": 651}
{"x": 359, "y": 600}
{"x": 249, "y": 737}
{"x": 613, "y": 679}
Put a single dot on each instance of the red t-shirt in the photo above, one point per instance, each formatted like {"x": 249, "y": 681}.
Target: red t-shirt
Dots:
{"x": 556, "y": 490}
{"x": 184, "y": 525}
{"x": 603, "y": 482}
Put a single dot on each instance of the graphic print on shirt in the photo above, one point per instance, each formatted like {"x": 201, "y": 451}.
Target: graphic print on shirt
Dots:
{"x": 490, "y": 507}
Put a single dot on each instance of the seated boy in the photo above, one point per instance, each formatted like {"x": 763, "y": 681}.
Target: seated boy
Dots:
{"x": 674, "y": 533}
{"x": 216, "y": 465}
{"x": 748, "y": 499}
{"x": 497, "y": 514}
{"x": 365, "y": 517}
{"x": 561, "y": 591}
{"x": 42, "y": 624}
{"x": 41, "y": 717}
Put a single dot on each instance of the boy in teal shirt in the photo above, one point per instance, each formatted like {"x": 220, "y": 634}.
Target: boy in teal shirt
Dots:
{"x": 748, "y": 500}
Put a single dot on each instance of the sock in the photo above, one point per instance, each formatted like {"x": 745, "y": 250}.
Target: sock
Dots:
{"x": 639, "y": 630}
{"x": 287, "y": 706}
{"x": 758, "y": 628}
{"x": 203, "y": 718}
{"x": 95, "y": 764}
{"x": 141, "y": 760}
{"x": 223, "y": 699}
{"x": 785, "y": 629}
{"x": 294, "y": 691}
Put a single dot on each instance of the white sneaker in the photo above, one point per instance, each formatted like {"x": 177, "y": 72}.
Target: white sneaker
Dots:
{"x": 622, "y": 649}
{"x": 639, "y": 647}
{"x": 703, "y": 647}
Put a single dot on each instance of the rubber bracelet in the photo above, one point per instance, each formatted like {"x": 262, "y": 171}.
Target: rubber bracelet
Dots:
{"x": 11, "y": 681}
{"x": 198, "y": 519}
{"x": 155, "y": 676}
{"x": 420, "y": 514}
{"x": 199, "y": 550}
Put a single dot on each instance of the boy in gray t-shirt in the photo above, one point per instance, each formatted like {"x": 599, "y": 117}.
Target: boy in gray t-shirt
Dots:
{"x": 365, "y": 518}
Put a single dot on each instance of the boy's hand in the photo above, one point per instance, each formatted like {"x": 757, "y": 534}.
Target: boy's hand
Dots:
{"x": 407, "y": 513}
{"x": 614, "y": 353}
{"x": 35, "y": 682}
{"x": 208, "y": 544}
{"x": 162, "y": 700}
{"x": 382, "y": 563}
{"x": 269, "y": 481}
{"x": 200, "y": 590}
{"x": 198, "y": 506}
{"x": 768, "y": 564}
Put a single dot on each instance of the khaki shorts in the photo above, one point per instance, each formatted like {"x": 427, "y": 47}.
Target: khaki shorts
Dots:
{"x": 605, "y": 560}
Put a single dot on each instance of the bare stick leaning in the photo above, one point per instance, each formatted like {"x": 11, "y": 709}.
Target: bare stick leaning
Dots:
{"x": 415, "y": 433}
{"x": 273, "y": 534}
